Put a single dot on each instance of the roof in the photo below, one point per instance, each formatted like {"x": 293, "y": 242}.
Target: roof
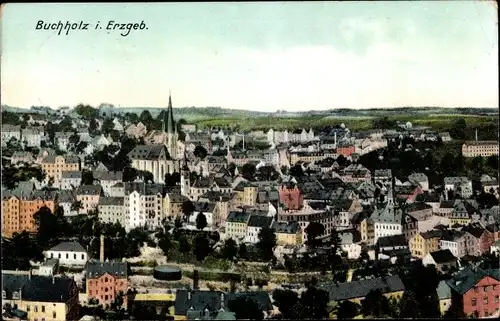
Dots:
{"x": 89, "y": 190}
{"x": 359, "y": 289}
{"x": 467, "y": 278}
{"x": 443, "y": 290}
{"x": 111, "y": 201}
{"x": 238, "y": 217}
{"x": 392, "y": 241}
{"x": 108, "y": 176}
{"x": 39, "y": 288}
{"x": 68, "y": 247}
{"x": 286, "y": 227}
{"x": 96, "y": 269}
{"x": 443, "y": 256}
{"x": 260, "y": 297}
{"x": 149, "y": 152}
{"x": 199, "y": 301}
{"x": 260, "y": 221}
{"x": 143, "y": 188}
{"x": 71, "y": 174}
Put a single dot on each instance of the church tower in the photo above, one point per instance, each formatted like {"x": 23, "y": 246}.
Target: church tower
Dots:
{"x": 185, "y": 180}
{"x": 171, "y": 130}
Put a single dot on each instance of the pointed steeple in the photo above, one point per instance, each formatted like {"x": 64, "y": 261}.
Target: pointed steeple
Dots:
{"x": 170, "y": 115}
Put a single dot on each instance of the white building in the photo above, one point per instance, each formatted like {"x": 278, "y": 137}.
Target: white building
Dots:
{"x": 107, "y": 180}
{"x": 32, "y": 136}
{"x": 255, "y": 224}
{"x": 70, "y": 180}
{"x": 455, "y": 242}
{"x": 207, "y": 209}
{"x": 9, "y": 132}
{"x": 143, "y": 205}
{"x": 62, "y": 140}
{"x": 68, "y": 253}
{"x": 420, "y": 179}
{"x": 459, "y": 184}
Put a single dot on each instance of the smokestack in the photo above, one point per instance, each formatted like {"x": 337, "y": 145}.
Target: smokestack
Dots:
{"x": 476, "y": 135}
{"x": 53, "y": 280}
{"x": 101, "y": 252}
{"x": 335, "y": 139}
{"x": 195, "y": 280}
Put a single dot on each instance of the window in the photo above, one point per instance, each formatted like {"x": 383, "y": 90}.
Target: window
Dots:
{"x": 473, "y": 302}
{"x": 36, "y": 308}
{"x": 15, "y": 295}
{"x": 43, "y": 308}
{"x": 54, "y": 315}
{"x": 4, "y": 295}
{"x": 497, "y": 299}
{"x": 83, "y": 256}
{"x": 476, "y": 289}
{"x": 74, "y": 256}
{"x": 485, "y": 300}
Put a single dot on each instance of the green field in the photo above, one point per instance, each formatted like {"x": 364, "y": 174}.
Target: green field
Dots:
{"x": 437, "y": 122}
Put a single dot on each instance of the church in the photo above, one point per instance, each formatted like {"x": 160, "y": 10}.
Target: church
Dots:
{"x": 160, "y": 159}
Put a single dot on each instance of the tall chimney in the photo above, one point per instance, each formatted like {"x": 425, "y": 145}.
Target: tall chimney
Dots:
{"x": 101, "y": 252}
{"x": 335, "y": 139}
{"x": 476, "y": 135}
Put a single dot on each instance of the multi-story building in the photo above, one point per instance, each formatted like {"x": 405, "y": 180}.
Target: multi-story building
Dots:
{"x": 455, "y": 241}
{"x": 111, "y": 210}
{"x": 388, "y": 220}
{"x": 41, "y": 297}
{"x": 88, "y": 196}
{"x": 32, "y": 136}
{"x": 255, "y": 224}
{"x": 9, "y": 132}
{"x": 70, "y": 180}
{"x": 245, "y": 194}
{"x": 460, "y": 184}
{"x": 367, "y": 229}
{"x": 480, "y": 148}
{"x": 477, "y": 291}
{"x": 143, "y": 205}
{"x": 291, "y": 196}
{"x": 107, "y": 180}
{"x": 423, "y": 243}
{"x": 287, "y": 233}
{"x": 172, "y": 205}
{"x": 310, "y": 212}
{"x": 62, "y": 140}
{"x": 19, "y": 207}
{"x": 22, "y": 157}
{"x": 236, "y": 225}
{"x": 54, "y": 165}
{"x": 420, "y": 179}
{"x": 105, "y": 280}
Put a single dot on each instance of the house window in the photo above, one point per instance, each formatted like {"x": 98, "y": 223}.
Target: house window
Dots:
{"x": 83, "y": 256}
{"x": 485, "y": 300}
{"x": 497, "y": 299}
{"x": 476, "y": 289}
{"x": 473, "y": 302}
{"x": 74, "y": 256}
{"x": 15, "y": 295}
{"x": 28, "y": 308}
{"x": 36, "y": 308}
{"x": 54, "y": 315}
{"x": 4, "y": 295}
{"x": 43, "y": 308}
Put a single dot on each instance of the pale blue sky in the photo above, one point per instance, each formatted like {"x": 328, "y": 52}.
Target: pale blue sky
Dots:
{"x": 258, "y": 56}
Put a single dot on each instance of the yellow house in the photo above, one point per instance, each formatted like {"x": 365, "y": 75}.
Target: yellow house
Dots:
{"x": 54, "y": 165}
{"x": 41, "y": 297}
{"x": 236, "y": 225}
{"x": 245, "y": 194}
{"x": 367, "y": 231}
{"x": 424, "y": 243}
{"x": 287, "y": 233}
{"x": 390, "y": 286}
{"x": 444, "y": 295}
{"x": 172, "y": 205}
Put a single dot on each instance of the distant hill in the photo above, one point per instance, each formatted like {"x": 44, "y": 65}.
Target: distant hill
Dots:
{"x": 190, "y": 113}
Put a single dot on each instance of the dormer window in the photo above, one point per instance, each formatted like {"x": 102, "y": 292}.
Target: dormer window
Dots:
{"x": 15, "y": 295}
{"x": 4, "y": 295}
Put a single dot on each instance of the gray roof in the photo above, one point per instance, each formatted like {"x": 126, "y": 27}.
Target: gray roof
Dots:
{"x": 149, "y": 152}
{"x": 111, "y": 201}
{"x": 177, "y": 198}
{"x": 388, "y": 215}
{"x": 417, "y": 177}
{"x": 89, "y": 190}
{"x": 143, "y": 188}
{"x": 359, "y": 289}
{"x": 467, "y": 278}
{"x": 108, "y": 176}
{"x": 71, "y": 174}
{"x": 443, "y": 290}
{"x": 38, "y": 288}
{"x": 238, "y": 217}
{"x": 68, "y": 247}
{"x": 96, "y": 269}
{"x": 443, "y": 256}
{"x": 204, "y": 207}
{"x": 286, "y": 227}
{"x": 260, "y": 221}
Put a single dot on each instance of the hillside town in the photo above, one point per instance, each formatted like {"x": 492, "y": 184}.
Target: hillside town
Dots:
{"x": 125, "y": 216}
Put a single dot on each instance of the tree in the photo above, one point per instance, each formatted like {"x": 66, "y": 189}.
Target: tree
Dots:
{"x": 146, "y": 176}
{"x": 286, "y": 300}
{"x": 200, "y": 152}
{"x": 267, "y": 173}
{"x": 242, "y": 251}
{"x": 184, "y": 246}
{"x": 314, "y": 302}
{"x": 201, "y": 248}
{"x": 245, "y": 308}
{"x": 146, "y": 118}
{"x": 409, "y": 307}
{"x": 375, "y": 304}
{"x": 93, "y": 126}
{"x": 76, "y": 206}
{"x": 248, "y": 171}
{"x": 107, "y": 126}
{"x": 187, "y": 208}
{"x": 172, "y": 179}
{"x": 129, "y": 174}
{"x": 201, "y": 221}
{"x": 347, "y": 310}
{"x": 48, "y": 229}
{"x": 165, "y": 243}
{"x": 87, "y": 177}
{"x": 230, "y": 249}
{"x": 458, "y": 129}
{"x": 313, "y": 231}
{"x": 296, "y": 171}
{"x": 266, "y": 243}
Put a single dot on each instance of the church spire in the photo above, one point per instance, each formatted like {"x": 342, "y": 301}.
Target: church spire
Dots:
{"x": 170, "y": 115}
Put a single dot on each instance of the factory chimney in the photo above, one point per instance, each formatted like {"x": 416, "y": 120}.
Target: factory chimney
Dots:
{"x": 101, "y": 252}
{"x": 476, "y": 135}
